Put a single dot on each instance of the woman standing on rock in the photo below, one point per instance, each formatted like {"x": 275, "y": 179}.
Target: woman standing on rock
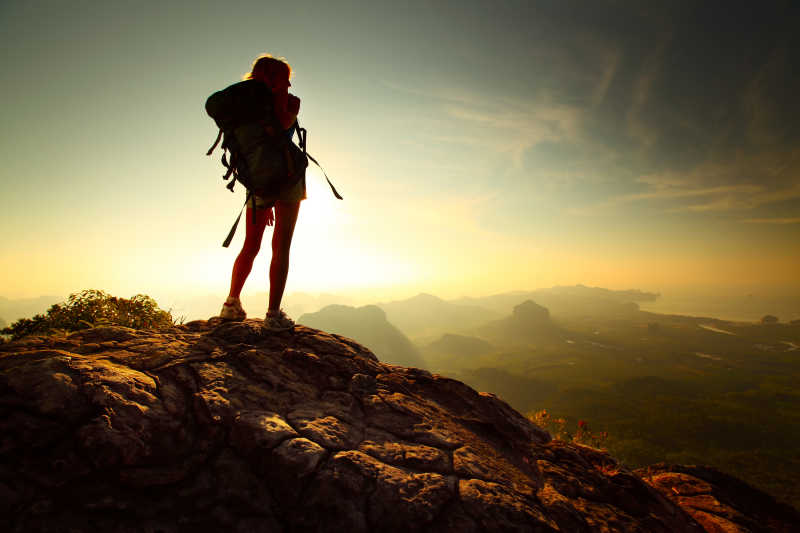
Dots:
{"x": 275, "y": 73}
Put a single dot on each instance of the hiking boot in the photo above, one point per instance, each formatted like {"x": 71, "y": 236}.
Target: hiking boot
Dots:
{"x": 232, "y": 310}
{"x": 277, "y": 321}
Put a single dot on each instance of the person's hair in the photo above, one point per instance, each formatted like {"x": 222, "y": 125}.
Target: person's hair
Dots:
{"x": 268, "y": 66}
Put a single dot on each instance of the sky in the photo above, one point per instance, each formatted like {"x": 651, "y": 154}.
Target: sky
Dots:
{"x": 480, "y": 147}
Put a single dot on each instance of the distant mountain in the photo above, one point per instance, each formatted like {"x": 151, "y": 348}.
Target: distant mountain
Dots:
{"x": 531, "y": 313}
{"x": 501, "y": 304}
{"x": 454, "y": 351}
{"x": 368, "y": 326}
{"x": 623, "y": 296}
{"x": 428, "y": 315}
{"x": 298, "y": 303}
{"x": 567, "y": 300}
{"x": 459, "y": 344}
{"x": 204, "y": 305}
{"x": 13, "y": 310}
{"x": 529, "y": 323}
{"x": 424, "y": 317}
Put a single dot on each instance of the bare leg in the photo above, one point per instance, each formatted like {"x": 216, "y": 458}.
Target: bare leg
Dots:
{"x": 252, "y": 243}
{"x": 285, "y": 219}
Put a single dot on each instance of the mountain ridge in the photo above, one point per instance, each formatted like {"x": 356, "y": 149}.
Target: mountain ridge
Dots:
{"x": 369, "y": 324}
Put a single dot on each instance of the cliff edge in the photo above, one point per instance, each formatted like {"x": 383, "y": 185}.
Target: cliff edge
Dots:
{"x": 214, "y": 426}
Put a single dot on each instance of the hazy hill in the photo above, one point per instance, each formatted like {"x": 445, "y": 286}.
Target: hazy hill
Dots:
{"x": 665, "y": 387}
{"x": 454, "y": 351}
{"x": 427, "y": 315}
{"x": 13, "y": 310}
{"x": 570, "y": 300}
{"x": 368, "y": 326}
{"x": 529, "y": 323}
{"x": 298, "y": 303}
{"x": 204, "y": 305}
{"x": 463, "y": 345}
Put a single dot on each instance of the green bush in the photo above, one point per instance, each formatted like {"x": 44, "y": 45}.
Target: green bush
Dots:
{"x": 92, "y": 308}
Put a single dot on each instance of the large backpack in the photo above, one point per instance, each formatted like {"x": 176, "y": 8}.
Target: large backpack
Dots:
{"x": 263, "y": 157}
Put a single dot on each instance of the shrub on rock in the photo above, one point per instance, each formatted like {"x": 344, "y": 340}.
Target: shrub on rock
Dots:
{"x": 91, "y": 308}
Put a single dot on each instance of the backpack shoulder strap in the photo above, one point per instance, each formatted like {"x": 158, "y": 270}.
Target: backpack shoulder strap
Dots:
{"x": 302, "y": 135}
{"x": 335, "y": 192}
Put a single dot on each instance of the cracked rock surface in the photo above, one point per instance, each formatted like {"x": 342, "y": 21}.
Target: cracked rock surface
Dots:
{"x": 719, "y": 502}
{"x": 214, "y": 426}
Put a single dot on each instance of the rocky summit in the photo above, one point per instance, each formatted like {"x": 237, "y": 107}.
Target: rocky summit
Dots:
{"x": 215, "y": 426}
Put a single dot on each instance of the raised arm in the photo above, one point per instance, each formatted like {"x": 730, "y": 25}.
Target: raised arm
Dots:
{"x": 287, "y": 106}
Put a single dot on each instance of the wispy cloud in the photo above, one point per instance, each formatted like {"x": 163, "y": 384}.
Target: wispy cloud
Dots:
{"x": 500, "y": 124}
{"x": 665, "y": 191}
{"x": 739, "y": 202}
{"x": 624, "y": 122}
{"x": 516, "y": 128}
{"x": 707, "y": 188}
{"x": 638, "y": 126}
{"x": 661, "y": 193}
{"x": 612, "y": 59}
{"x": 761, "y": 108}
{"x": 780, "y": 221}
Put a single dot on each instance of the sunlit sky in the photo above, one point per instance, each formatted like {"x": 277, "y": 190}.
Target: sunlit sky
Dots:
{"x": 480, "y": 146}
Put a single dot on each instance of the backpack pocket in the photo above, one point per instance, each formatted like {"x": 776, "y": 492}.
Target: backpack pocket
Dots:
{"x": 266, "y": 165}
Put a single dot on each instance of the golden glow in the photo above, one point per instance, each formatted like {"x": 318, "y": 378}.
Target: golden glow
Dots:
{"x": 456, "y": 180}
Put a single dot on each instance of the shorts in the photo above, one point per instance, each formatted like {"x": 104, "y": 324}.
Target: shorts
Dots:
{"x": 292, "y": 195}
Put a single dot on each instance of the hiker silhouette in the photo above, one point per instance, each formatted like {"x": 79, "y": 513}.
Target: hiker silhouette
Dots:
{"x": 280, "y": 210}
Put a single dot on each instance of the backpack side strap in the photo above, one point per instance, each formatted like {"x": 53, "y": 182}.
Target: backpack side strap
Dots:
{"x": 219, "y": 136}
{"x": 229, "y": 238}
{"x": 231, "y": 170}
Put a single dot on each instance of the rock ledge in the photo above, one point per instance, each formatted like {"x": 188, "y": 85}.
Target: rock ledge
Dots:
{"x": 216, "y": 426}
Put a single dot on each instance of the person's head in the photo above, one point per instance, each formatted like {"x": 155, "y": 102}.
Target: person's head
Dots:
{"x": 275, "y": 72}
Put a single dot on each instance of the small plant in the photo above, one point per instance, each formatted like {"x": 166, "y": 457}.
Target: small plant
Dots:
{"x": 93, "y": 308}
{"x": 609, "y": 469}
{"x": 558, "y": 428}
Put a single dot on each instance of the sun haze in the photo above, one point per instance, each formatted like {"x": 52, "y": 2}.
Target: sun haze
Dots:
{"x": 478, "y": 147}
